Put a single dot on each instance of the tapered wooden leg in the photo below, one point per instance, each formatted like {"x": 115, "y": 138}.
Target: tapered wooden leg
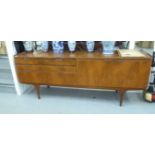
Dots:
{"x": 37, "y": 87}
{"x": 122, "y": 92}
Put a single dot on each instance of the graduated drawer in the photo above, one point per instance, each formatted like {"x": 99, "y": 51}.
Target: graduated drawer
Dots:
{"x": 43, "y": 61}
{"x": 47, "y": 78}
{"x": 45, "y": 68}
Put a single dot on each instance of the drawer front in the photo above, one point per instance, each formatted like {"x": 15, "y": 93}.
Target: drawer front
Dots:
{"x": 47, "y": 78}
{"x": 45, "y": 68}
{"x": 114, "y": 73}
{"x": 30, "y": 77}
{"x": 62, "y": 79}
{"x": 54, "y": 71}
{"x": 41, "y": 61}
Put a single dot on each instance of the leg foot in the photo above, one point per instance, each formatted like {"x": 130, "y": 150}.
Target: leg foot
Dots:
{"x": 37, "y": 87}
{"x": 122, "y": 92}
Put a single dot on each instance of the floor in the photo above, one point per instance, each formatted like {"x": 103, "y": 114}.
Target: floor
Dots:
{"x": 72, "y": 101}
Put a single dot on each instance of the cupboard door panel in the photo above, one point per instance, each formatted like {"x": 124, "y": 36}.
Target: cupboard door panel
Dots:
{"x": 136, "y": 73}
{"x": 97, "y": 73}
{"x": 113, "y": 73}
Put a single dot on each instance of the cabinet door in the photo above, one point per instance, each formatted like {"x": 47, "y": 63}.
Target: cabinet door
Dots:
{"x": 116, "y": 73}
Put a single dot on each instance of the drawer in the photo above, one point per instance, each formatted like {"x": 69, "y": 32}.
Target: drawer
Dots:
{"x": 43, "y": 61}
{"x": 46, "y": 68}
{"x": 62, "y": 79}
{"x": 32, "y": 77}
{"x": 47, "y": 78}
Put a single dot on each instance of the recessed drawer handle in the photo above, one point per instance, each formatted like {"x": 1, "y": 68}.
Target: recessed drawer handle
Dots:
{"x": 114, "y": 60}
{"x": 58, "y": 59}
{"x": 119, "y": 60}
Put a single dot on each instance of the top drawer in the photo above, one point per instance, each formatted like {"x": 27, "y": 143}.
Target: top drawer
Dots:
{"x": 43, "y": 61}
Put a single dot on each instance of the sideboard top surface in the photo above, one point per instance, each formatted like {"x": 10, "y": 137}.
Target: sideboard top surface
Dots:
{"x": 78, "y": 55}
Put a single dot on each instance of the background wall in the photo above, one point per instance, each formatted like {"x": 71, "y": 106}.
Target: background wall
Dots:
{"x": 145, "y": 44}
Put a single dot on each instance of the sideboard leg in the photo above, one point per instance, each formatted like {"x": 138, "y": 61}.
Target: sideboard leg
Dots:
{"x": 37, "y": 87}
{"x": 122, "y": 92}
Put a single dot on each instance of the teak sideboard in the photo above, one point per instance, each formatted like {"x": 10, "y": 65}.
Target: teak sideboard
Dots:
{"x": 84, "y": 70}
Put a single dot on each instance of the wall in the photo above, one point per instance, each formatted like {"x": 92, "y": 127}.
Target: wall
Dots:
{"x": 20, "y": 88}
